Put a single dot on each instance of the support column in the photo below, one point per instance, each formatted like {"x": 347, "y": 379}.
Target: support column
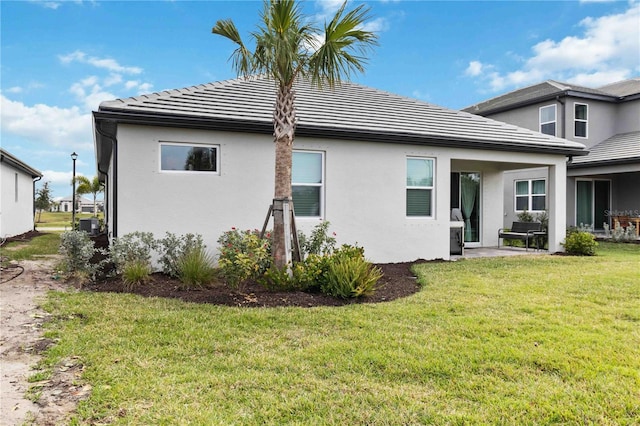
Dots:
{"x": 557, "y": 206}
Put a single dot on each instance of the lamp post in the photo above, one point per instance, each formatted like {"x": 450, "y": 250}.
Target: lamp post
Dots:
{"x": 74, "y": 156}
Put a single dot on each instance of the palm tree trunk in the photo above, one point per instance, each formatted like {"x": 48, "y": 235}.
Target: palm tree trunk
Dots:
{"x": 284, "y": 129}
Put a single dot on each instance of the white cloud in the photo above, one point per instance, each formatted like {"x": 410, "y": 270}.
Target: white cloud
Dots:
{"x": 474, "y": 68}
{"x": 15, "y": 89}
{"x": 104, "y": 63}
{"x": 48, "y": 125}
{"x": 57, "y": 178}
{"x": 607, "y": 50}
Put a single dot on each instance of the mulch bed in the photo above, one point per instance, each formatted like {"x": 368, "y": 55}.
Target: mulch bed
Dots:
{"x": 398, "y": 281}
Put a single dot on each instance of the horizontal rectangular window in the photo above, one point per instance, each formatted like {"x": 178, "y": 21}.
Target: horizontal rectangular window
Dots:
{"x": 177, "y": 157}
{"x": 530, "y": 195}
{"x": 420, "y": 187}
{"x": 307, "y": 183}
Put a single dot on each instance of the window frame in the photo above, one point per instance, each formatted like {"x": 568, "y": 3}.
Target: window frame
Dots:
{"x": 529, "y": 195}
{"x": 431, "y": 188}
{"x": 580, "y": 120}
{"x": 320, "y": 185}
{"x": 554, "y": 121}
{"x": 189, "y": 144}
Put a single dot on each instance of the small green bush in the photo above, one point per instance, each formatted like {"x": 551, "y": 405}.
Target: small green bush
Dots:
{"x": 132, "y": 247}
{"x": 349, "y": 274}
{"x": 135, "y": 272}
{"x": 319, "y": 242}
{"x": 77, "y": 250}
{"x": 278, "y": 279}
{"x": 580, "y": 243}
{"x": 243, "y": 256}
{"x": 173, "y": 248}
{"x": 195, "y": 268}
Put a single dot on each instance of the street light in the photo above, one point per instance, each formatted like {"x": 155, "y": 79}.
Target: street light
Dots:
{"x": 74, "y": 156}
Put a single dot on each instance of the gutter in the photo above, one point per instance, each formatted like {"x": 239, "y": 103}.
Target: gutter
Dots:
{"x": 263, "y": 127}
{"x": 107, "y": 202}
{"x": 34, "y": 200}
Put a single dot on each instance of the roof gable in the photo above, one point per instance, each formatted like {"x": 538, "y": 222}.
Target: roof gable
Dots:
{"x": 549, "y": 90}
{"x": 349, "y": 111}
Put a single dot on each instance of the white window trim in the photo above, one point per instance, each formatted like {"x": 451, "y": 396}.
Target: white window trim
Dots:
{"x": 529, "y": 195}
{"x": 190, "y": 172}
{"x": 321, "y": 184}
{"x": 586, "y": 121}
{"x": 432, "y": 188}
{"x": 555, "y": 120}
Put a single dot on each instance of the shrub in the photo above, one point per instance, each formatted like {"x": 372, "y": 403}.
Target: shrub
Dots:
{"x": 319, "y": 242}
{"x": 195, "y": 268}
{"x": 279, "y": 279}
{"x": 349, "y": 274}
{"x": 309, "y": 275}
{"x": 173, "y": 249}
{"x": 620, "y": 234}
{"x": 133, "y": 247}
{"x": 78, "y": 250}
{"x": 243, "y": 256}
{"x": 580, "y": 243}
{"x": 135, "y": 272}
{"x": 525, "y": 216}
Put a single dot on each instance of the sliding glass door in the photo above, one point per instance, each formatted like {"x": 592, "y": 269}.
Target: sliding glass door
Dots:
{"x": 593, "y": 200}
{"x": 465, "y": 195}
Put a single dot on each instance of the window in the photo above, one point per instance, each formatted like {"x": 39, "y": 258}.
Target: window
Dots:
{"x": 531, "y": 195}
{"x": 548, "y": 120}
{"x": 307, "y": 181}
{"x": 177, "y": 157}
{"x": 580, "y": 116}
{"x": 420, "y": 187}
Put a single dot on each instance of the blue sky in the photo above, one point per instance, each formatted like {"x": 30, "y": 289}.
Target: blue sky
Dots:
{"x": 60, "y": 59}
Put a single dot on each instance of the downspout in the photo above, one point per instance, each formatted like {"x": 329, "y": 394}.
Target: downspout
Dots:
{"x": 114, "y": 153}
{"x": 564, "y": 115}
{"x": 34, "y": 201}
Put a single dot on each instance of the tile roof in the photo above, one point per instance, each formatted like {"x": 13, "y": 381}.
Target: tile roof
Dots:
{"x": 623, "y": 88}
{"x": 548, "y": 90}
{"x": 348, "y": 111}
{"x": 620, "y": 148}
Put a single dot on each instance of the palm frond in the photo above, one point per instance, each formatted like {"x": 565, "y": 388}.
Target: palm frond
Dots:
{"x": 241, "y": 57}
{"x": 344, "y": 49}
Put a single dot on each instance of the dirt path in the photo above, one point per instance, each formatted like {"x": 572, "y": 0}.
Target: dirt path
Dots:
{"x": 22, "y": 340}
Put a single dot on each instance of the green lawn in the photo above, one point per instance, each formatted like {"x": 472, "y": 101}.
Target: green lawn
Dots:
{"x": 519, "y": 340}
{"x": 59, "y": 219}
{"x": 42, "y": 245}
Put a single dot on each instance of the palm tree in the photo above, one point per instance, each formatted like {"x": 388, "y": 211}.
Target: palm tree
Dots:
{"x": 87, "y": 186}
{"x": 287, "y": 48}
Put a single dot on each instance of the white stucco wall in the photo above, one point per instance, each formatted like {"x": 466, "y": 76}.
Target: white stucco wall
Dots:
{"x": 16, "y": 213}
{"x": 364, "y": 190}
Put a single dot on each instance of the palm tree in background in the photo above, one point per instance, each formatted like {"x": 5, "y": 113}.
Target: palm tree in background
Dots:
{"x": 89, "y": 186}
{"x": 287, "y": 47}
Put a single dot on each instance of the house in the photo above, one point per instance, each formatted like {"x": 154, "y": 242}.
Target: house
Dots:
{"x": 83, "y": 205}
{"x": 600, "y": 185}
{"x": 17, "y": 204}
{"x": 385, "y": 170}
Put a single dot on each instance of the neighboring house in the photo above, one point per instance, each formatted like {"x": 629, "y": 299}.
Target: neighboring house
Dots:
{"x": 385, "y": 170}
{"x": 17, "y": 207}
{"x": 606, "y": 120}
{"x": 83, "y": 205}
